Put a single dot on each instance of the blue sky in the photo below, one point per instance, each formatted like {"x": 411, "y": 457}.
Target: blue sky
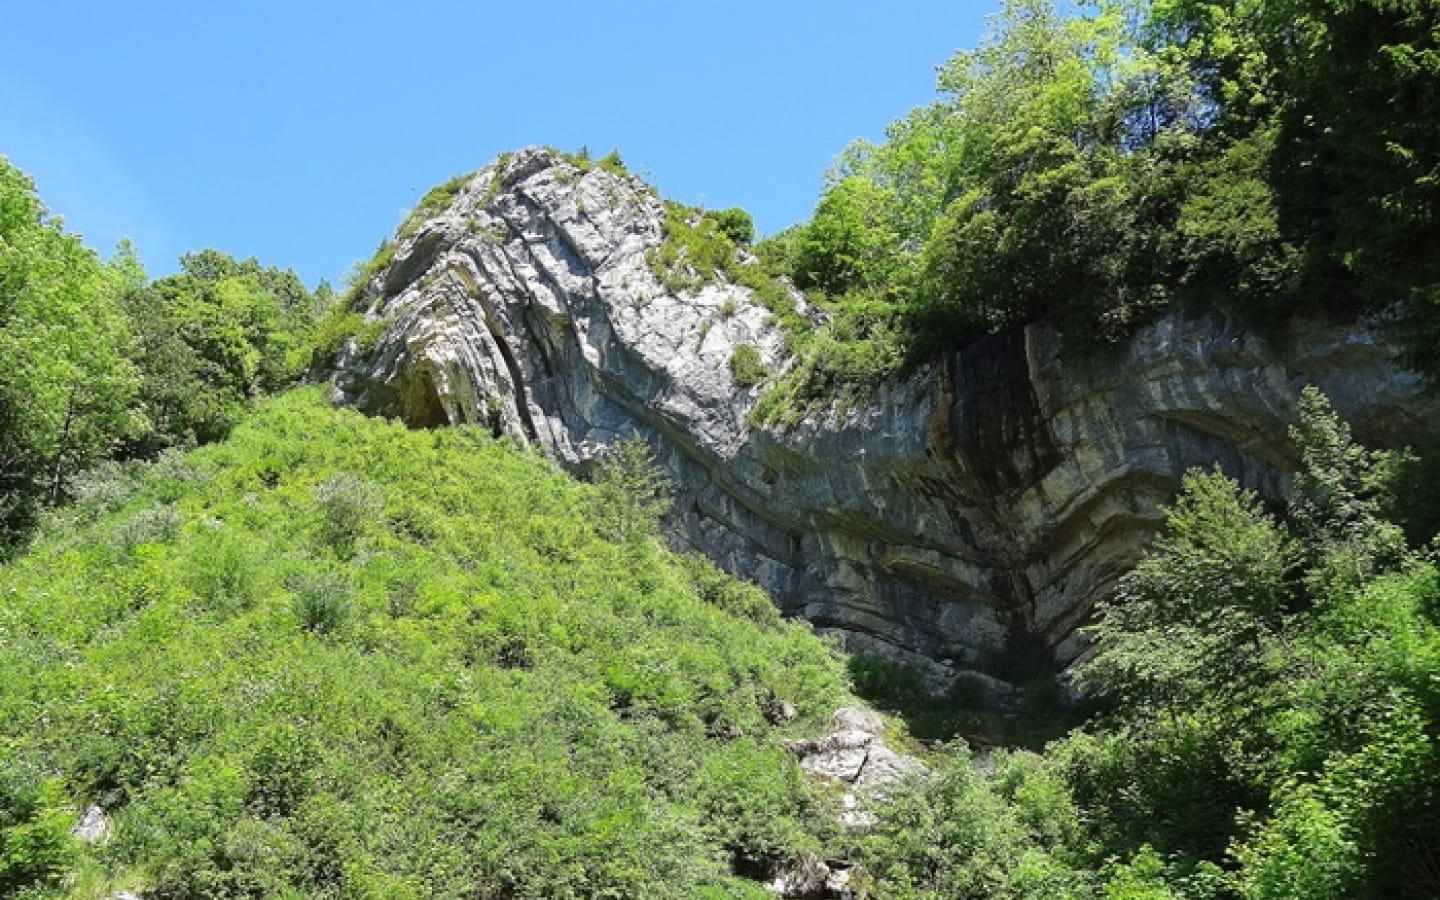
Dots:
{"x": 299, "y": 132}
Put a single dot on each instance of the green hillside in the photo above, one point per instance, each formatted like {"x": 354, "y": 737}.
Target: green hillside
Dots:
{"x": 333, "y": 657}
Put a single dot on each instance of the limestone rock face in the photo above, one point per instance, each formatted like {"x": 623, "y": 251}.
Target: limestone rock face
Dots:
{"x": 965, "y": 518}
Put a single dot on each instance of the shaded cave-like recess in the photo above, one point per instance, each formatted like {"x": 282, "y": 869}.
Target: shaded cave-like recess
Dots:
{"x": 421, "y": 407}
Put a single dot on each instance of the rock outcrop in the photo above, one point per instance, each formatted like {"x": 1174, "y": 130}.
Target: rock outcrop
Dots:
{"x": 855, "y": 755}
{"x": 965, "y": 518}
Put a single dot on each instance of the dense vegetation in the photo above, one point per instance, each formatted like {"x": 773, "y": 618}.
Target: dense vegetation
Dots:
{"x": 1094, "y": 163}
{"x": 332, "y": 657}
{"x": 98, "y": 362}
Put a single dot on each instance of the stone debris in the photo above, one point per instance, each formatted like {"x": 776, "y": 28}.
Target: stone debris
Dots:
{"x": 94, "y": 826}
{"x": 813, "y": 878}
{"x": 854, "y": 752}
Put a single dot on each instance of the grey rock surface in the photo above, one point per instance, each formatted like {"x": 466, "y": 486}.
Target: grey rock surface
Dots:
{"x": 93, "y": 827}
{"x": 965, "y": 518}
{"x": 855, "y": 754}
{"x": 813, "y": 878}
{"x": 854, "y": 751}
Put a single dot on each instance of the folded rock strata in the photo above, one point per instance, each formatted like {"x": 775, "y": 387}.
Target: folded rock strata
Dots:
{"x": 964, "y": 518}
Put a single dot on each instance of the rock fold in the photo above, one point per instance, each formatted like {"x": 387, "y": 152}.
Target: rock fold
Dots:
{"x": 964, "y": 518}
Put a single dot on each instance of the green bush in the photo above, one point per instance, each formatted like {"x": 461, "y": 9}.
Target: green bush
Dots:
{"x": 612, "y": 163}
{"x": 156, "y": 524}
{"x": 633, "y": 493}
{"x": 322, "y": 601}
{"x": 747, "y": 369}
{"x": 349, "y": 506}
{"x": 36, "y": 848}
{"x": 736, "y": 224}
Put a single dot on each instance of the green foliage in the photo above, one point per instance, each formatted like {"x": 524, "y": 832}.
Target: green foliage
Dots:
{"x": 1092, "y": 163}
{"x": 349, "y": 506}
{"x": 436, "y": 201}
{"x": 1199, "y": 614}
{"x": 1228, "y": 229}
{"x": 365, "y": 271}
{"x": 736, "y": 224}
{"x": 848, "y": 243}
{"x": 966, "y": 835}
{"x": 211, "y": 340}
{"x": 1340, "y": 495}
{"x": 1358, "y": 154}
{"x": 36, "y": 848}
{"x": 1270, "y": 721}
{"x": 367, "y": 661}
{"x": 67, "y": 382}
{"x": 1270, "y": 711}
{"x": 747, "y": 369}
{"x": 335, "y": 327}
{"x": 703, "y": 248}
{"x": 696, "y": 251}
{"x": 633, "y": 493}
{"x": 322, "y": 601}
{"x": 612, "y": 163}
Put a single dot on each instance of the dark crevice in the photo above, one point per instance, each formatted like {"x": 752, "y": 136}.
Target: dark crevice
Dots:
{"x": 422, "y": 406}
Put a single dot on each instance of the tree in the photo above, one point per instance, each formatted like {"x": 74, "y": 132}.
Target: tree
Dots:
{"x": 848, "y": 244}
{"x": 1273, "y": 686}
{"x": 66, "y": 383}
{"x": 213, "y": 338}
{"x": 633, "y": 493}
{"x": 1196, "y": 620}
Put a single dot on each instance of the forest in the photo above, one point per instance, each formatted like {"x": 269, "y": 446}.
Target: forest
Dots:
{"x": 292, "y": 651}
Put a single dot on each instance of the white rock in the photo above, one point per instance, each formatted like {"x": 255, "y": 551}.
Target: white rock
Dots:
{"x": 94, "y": 826}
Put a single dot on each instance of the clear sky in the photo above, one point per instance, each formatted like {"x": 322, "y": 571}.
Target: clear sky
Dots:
{"x": 299, "y": 132}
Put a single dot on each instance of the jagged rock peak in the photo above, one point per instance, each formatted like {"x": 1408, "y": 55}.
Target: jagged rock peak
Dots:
{"x": 965, "y": 517}
{"x": 538, "y": 275}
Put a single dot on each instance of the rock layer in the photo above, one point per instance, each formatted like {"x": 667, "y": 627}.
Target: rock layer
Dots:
{"x": 965, "y": 518}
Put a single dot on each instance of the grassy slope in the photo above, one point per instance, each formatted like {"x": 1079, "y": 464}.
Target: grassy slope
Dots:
{"x": 332, "y": 657}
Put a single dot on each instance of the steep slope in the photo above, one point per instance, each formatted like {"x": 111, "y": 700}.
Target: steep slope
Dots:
{"x": 329, "y": 657}
{"x": 966, "y": 517}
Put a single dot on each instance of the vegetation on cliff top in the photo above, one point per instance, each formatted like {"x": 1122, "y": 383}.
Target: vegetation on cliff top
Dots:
{"x": 1096, "y": 163}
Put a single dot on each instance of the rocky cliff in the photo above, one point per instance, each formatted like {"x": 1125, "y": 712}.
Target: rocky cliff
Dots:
{"x": 965, "y": 518}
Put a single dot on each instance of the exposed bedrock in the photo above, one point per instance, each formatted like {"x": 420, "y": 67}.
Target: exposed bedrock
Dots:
{"x": 966, "y": 517}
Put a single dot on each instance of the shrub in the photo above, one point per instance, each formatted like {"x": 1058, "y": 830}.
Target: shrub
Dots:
{"x": 747, "y": 369}
{"x": 634, "y": 493}
{"x": 223, "y": 574}
{"x": 156, "y": 524}
{"x": 736, "y": 224}
{"x": 102, "y": 489}
{"x": 349, "y": 506}
{"x": 613, "y": 164}
{"x": 322, "y": 601}
{"x": 36, "y": 848}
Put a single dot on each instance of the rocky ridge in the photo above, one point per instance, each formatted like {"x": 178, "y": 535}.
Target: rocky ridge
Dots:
{"x": 964, "y": 518}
